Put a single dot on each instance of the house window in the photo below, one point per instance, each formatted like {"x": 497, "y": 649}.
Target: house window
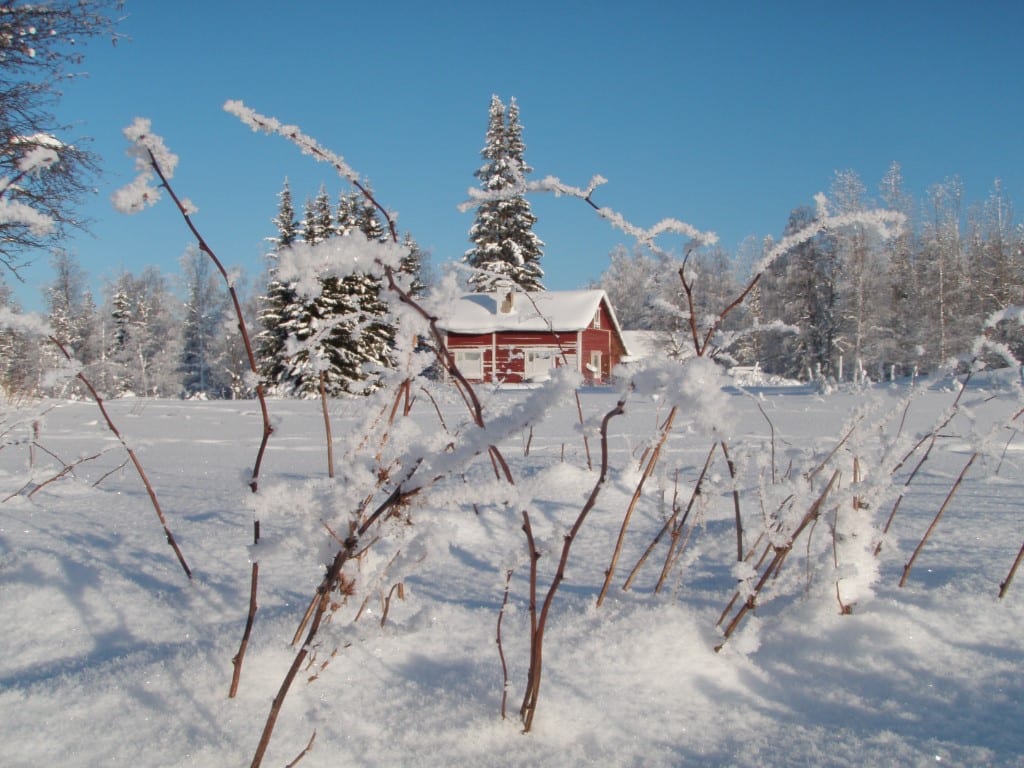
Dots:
{"x": 539, "y": 363}
{"x": 597, "y": 318}
{"x": 470, "y": 363}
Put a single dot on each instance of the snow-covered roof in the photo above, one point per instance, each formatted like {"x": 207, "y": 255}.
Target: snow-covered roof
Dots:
{"x": 558, "y": 311}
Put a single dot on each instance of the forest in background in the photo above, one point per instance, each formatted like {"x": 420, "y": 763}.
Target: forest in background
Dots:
{"x": 844, "y": 306}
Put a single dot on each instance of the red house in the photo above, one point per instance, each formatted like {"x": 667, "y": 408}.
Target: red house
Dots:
{"x": 512, "y": 336}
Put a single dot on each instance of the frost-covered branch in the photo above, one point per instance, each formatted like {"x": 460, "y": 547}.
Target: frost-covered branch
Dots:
{"x": 155, "y": 162}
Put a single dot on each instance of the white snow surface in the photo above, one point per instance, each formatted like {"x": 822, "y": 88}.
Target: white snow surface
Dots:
{"x": 111, "y": 656}
{"x": 558, "y": 311}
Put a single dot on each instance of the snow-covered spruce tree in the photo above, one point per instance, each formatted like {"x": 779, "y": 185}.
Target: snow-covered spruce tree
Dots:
{"x": 504, "y": 244}
{"x": 344, "y": 332}
{"x": 280, "y": 295}
{"x": 363, "y": 337}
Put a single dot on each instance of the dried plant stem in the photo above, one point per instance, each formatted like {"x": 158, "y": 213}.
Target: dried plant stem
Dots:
{"x": 735, "y": 502}
{"x": 1013, "y": 570}
{"x": 775, "y": 565}
{"x": 327, "y": 424}
{"x": 672, "y": 524}
{"x": 844, "y": 608}
{"x": 938, "y": 516}
{"x": 304, "y": 752}
{"x": 134, "y": 459}
{"x": 930, "y": 438}
{"x": 501, "y": 648}
{"x": 386, "y": 607}
{"x": 652, "y": 462}
{"x": 586, "y": 440}
{"x": 204, "y": 247}
{"x": 236, "y": 662}
{"x": 529, "y": 706}
{"x": 324, "y": 590}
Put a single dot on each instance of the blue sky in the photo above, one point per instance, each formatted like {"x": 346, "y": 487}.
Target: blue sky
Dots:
{"x": 725, "y": 115}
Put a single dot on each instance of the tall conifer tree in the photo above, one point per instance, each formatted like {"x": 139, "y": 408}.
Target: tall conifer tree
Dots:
{"x": 505, "y": 247}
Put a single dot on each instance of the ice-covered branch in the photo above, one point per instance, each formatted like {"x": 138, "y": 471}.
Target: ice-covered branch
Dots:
{"x": 146, "y": 148}
{"x": 887, "y": 223}
{"x": 308, "y": 145}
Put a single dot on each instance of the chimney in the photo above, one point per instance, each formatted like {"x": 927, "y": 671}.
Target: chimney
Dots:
{"x": 506, "y": 290}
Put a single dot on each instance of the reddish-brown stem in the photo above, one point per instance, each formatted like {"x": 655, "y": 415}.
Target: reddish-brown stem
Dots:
{"x": 652, "y": 462}
{"x": 204, "y": 247}
{"x": 537, "y": 641}
{"x": 775, "y": 565}
{"x": 673, "y": 525}
{"x": 236, "y": 662}
{"x": 1013, "y": 570}
{"x": 304, "y": 752}
{"x": 131, "y": 455}
{"x": 938, "y": 516}
{"x": 735, "y": 502}
{"x": 327, "y": 424}
{"x": 501, "y": 648}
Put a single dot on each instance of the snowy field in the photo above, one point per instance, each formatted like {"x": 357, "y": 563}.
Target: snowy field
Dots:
{"x": 110, "y": 656}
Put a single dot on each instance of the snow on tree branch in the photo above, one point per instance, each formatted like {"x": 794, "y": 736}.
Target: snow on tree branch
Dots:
{"x": 887, "y": 223}
{"x": 41, "y": 156}
{"x": 30, "y": 322}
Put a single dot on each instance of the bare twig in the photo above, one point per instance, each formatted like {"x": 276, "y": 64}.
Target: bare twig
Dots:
{"x": 652, "y": 462}
{"x": 529, "y": 706}
{"x": 131, "y": 455}
{"x": 673, "y": 524}
{"x": 327, "y": 424}
{"x": 938, "y": 516}
{"x": 501, "y": 649}
{"x": 304, "y": 752}
{"x": 236, "y": 662}
{"x": 268, "y": 428}
{"x": 775, "y": 565}
{"x": 735, "y": 502}
{"x": 1005, "y": 585}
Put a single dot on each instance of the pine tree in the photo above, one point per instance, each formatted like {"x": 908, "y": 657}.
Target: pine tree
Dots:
{"x": 504, "y": 244}
{"x": 413, "y": 267}
{"x": 279, "y": 298}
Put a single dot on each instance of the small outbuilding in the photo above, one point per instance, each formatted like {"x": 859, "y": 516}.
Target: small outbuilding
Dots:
{"x": 515, "y": 336}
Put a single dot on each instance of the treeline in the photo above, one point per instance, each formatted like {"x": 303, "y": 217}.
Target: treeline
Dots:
{"x": 154, "y": 335}
{"x": 848, "y": 305}
{"x": 845, "y": 305}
